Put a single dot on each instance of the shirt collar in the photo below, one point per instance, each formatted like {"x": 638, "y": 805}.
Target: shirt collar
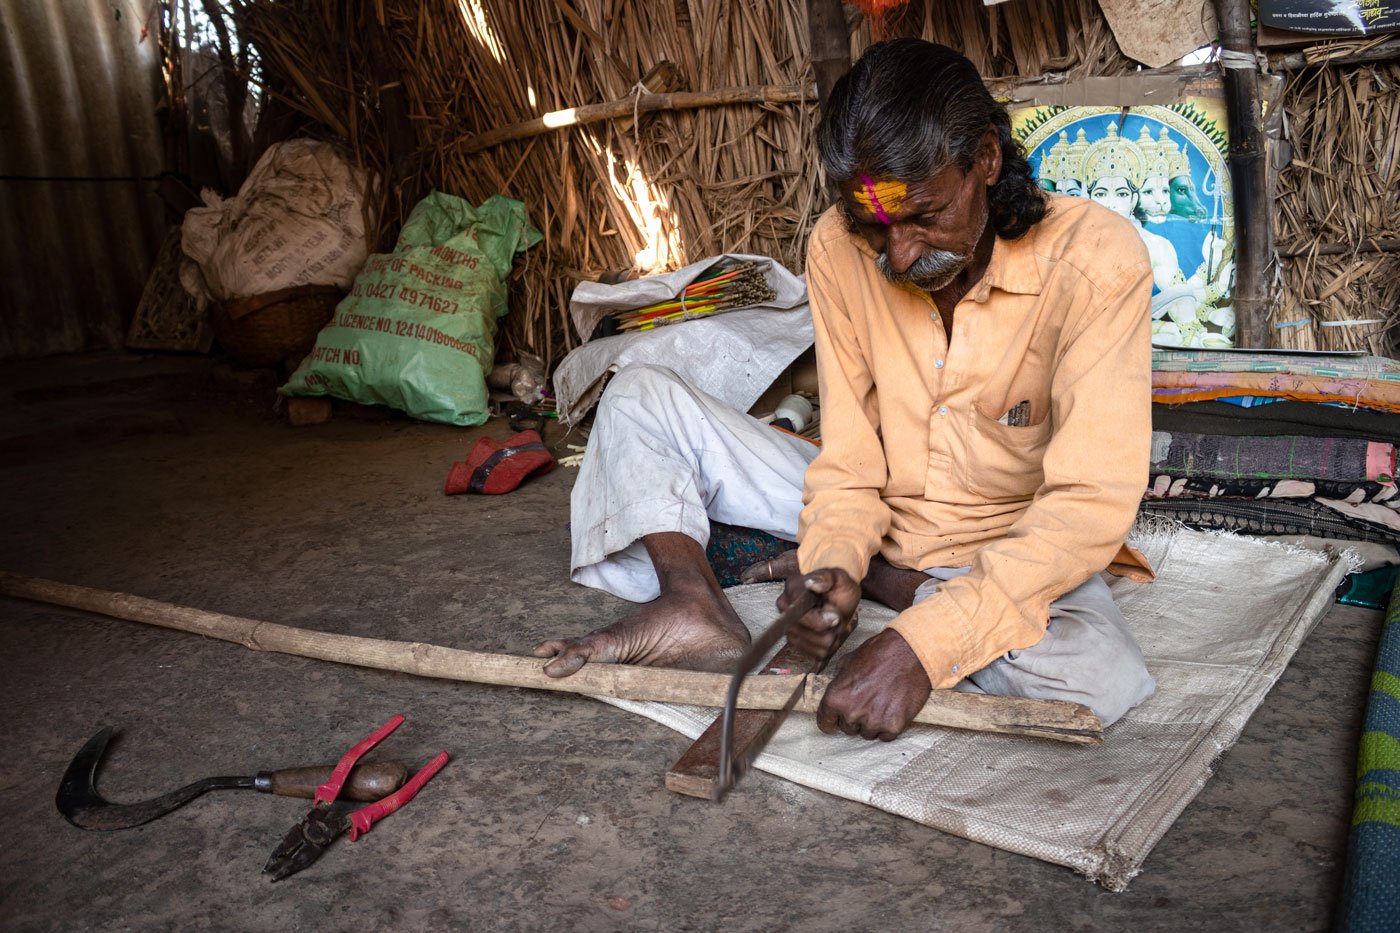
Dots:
{"x": 1012, "y": 268}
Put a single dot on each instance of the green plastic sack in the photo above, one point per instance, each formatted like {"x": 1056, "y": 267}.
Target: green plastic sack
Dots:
{"x": 418, "y": 330}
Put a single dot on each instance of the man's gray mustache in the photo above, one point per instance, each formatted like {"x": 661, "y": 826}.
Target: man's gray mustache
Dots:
{"x": 930, "y": 266}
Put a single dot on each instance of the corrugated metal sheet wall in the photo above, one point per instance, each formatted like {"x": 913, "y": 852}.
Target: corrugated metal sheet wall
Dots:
{"x": 78, "y": 88}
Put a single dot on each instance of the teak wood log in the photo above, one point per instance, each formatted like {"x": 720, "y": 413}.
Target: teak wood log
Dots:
{"x": 638, "y": 104}
{"x": 1066, "y": 722}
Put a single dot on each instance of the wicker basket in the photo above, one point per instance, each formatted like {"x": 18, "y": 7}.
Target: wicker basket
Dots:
{"x": 264, "y": 330}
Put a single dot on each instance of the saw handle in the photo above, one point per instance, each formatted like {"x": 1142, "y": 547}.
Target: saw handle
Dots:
{"x": 372, "y": 781}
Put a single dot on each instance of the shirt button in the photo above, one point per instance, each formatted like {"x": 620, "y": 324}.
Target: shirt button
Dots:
{"x": 943, "y": 409}
{"x": 937, "y": 364}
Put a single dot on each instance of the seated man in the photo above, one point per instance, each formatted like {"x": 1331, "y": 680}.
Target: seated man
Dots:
{"x": 984, "y": 362}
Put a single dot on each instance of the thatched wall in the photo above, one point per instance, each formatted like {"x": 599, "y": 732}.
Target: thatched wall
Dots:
{"x": 657, "y": 192}
{"x": 610, "y": 196}
{"x": 1341, "y": 188}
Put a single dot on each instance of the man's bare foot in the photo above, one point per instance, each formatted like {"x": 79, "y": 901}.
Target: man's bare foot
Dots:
{"x": 779, "y": 568}
{"x": 884, "y": 583}
{"x": 690, "y": 625}
{"x": 693, "y": 628}
{"x": 891, "y": 586}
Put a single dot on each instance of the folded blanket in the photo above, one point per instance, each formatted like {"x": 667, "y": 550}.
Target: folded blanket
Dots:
{"x": 1177, "y": 387}
{"x": 1377, "y": 513}
{"x": 1166, "y": 486}
{"x": 1379, "y": 368}
{"x": 1270, "y": 517}
{"x": 1282, "y": 417}
{"x": 1212, "y": 456}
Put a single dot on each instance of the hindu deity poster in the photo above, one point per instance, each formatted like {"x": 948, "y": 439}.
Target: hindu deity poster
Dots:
{"x": 1163, "y": 168}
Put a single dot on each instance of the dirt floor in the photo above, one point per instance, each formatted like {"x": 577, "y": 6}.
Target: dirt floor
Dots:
{"x": 174, "y": 479}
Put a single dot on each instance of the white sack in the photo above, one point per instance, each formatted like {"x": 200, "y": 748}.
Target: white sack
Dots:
{"x": 733, "y": 356}
{"x": 297, "y": 220}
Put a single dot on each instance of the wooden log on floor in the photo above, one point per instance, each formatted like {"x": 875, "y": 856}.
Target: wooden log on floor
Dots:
{"x": 1065, "y": 722}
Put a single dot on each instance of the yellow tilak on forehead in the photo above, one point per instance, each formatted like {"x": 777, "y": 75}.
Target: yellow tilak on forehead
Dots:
{"x": 882, "y": 198}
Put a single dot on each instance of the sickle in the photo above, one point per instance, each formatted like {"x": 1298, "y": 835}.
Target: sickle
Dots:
{"x": 81, "y": 804}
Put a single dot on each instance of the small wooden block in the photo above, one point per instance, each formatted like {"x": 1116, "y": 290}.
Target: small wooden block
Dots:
{"x": 304, "y": 411}
{"x": 696, "y": 772}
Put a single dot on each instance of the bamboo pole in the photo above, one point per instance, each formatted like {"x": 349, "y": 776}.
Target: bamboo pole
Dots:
{"x": 1065, "y": 722}
{"x": 640, "y": 103}
{"x": 1247, "y": 173}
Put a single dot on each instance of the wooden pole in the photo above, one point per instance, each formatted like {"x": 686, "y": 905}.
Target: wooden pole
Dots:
{"x": 641, "y": 103}
{"x": 1065, "y": 722}
{"x": 1247, "y": 174}
{"x": 831, "y": 45}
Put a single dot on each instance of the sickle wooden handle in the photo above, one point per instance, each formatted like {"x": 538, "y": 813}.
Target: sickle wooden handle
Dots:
{"x": 372, "y": 781}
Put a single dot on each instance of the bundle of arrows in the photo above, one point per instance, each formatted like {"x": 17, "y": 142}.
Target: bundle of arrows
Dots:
{"x": 722, "y": 288}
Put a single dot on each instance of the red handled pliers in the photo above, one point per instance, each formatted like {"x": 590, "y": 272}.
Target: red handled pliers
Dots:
{"x": 329, "y": 818}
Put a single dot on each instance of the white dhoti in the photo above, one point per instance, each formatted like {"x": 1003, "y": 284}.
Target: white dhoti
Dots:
{"x": 664, "y": 457}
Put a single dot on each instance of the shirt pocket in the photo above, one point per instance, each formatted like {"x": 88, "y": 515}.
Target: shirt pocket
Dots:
{"x": 1005, "y": 462}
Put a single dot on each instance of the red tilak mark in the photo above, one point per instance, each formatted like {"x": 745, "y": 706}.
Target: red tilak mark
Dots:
{"x": 875, "y": 201}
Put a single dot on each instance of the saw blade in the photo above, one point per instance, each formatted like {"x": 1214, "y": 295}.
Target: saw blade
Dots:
{"x": 732, "y": 767}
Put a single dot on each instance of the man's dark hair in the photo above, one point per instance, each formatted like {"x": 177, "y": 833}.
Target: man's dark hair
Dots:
{"x": 908, "y": 109}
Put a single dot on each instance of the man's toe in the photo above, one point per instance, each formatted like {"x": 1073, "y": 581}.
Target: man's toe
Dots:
{"x": 568, "y": 662}
{"x": 548, "y": 649}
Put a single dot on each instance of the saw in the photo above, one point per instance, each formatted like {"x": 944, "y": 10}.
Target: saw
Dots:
{"x": 733, "y": 764}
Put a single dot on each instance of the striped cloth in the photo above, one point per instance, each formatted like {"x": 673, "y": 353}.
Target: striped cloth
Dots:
{"x": 1371, "y": 889}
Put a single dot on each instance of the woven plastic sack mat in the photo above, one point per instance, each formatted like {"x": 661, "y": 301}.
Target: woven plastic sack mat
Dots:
{"x": 1215, "y": 646}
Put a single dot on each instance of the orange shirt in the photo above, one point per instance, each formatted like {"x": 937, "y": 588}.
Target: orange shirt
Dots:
{"x": 917, "y": 460}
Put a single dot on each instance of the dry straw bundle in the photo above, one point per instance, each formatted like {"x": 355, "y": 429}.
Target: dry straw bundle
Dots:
{"x": 649, "y": 191}
{"x": 1338, "y": 210}
{"x": 1023, "y": 39}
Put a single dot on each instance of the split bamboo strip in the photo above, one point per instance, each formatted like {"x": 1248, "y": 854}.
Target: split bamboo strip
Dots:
{"x": 1065, "y": 722}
